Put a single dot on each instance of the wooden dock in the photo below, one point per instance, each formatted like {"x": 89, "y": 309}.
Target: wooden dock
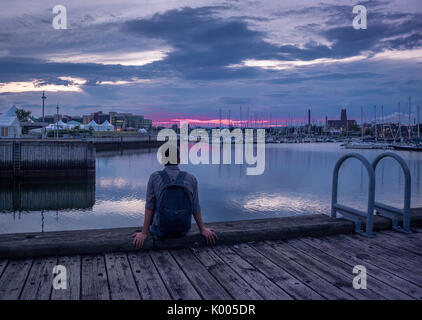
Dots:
{"x": 303, "y": 268}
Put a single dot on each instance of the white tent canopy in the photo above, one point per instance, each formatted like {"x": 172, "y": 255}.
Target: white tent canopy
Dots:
{"x": 11, "y": 112}
{"x": 93, "y": 125}
{"x": 9, "y": 124}
{"x": 106, "y": 126}
{"x": 59, "y": 125}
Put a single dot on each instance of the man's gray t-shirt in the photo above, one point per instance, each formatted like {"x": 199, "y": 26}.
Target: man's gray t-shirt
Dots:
{"x": 156, "y": 184}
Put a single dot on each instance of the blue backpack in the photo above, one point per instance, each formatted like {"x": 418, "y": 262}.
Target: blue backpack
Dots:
{"x": 174, "y": 206}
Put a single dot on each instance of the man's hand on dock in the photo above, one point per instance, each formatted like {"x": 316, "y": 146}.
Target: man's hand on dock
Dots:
{"x": 139, "y": 239}
{"x": 209, "y": 235}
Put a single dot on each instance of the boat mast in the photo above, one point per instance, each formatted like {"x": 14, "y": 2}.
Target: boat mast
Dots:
{"x": 382, "y": 121}
{"x": 399, "y": 123}
{"x": 375, "y": 113}
{"x": 419, "y": 129}
{"x": 410, "y": 112}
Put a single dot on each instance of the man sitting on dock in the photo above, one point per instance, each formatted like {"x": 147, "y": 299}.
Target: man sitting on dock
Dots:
{"x": 171, "y": 200}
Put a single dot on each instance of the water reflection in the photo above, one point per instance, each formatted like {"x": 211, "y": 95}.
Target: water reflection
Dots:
{"x": 19, "y": 196}
{"x": 297, "y": 180}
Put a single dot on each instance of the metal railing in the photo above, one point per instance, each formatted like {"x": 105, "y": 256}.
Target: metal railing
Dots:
{"x": 392, "y": 212}
{"x": 357, "y": 216}
{"x": 350, "y": 213}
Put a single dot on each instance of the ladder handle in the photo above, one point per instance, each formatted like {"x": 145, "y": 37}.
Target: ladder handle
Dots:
{"x": 371, "y": 189}
{"x": 407, "y": 184}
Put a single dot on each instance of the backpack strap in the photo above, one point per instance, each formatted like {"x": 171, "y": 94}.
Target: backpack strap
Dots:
{"x": 164, "y": 175}
{"x": 180, "y": 177}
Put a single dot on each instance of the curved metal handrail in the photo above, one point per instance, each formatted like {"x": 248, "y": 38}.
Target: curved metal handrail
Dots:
{"x": 350, "y": 213}
{"x": 391, "y": 212}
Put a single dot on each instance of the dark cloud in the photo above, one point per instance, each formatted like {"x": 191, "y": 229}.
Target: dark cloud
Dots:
{"x": 23, "y": 69}
{"x": 203, "y": 44}
{"x": 328, "y": 77}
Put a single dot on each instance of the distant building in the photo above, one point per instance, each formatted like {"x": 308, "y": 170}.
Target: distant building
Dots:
{"x": 100, "y": 117}
{"x": 78, "y": 119}
{"x": 119, "y": 121}
{"x": 86, "y": 119}
{"x": 122, "y": 121}
{"x": 49, "y": 119}
{"x": 343, "y": 123}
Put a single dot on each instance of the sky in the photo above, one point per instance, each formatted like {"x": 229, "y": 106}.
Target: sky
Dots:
{"x": 179, "y": 59}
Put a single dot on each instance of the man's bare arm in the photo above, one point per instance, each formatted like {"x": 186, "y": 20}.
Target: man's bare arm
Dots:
{"x": 140, "y": 237}
{"x": 208, "y": 234}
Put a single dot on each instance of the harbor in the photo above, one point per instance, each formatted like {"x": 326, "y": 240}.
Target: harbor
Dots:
{"x": 117, "y": 194}
{"x": 250, "y": 152}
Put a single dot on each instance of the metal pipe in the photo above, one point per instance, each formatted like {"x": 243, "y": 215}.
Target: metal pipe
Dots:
{"x": 371, "y": 190}
{"x": 407, "y": 186}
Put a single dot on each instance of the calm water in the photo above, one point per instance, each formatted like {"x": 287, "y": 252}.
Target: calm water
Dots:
{"x": 296, "y": 181}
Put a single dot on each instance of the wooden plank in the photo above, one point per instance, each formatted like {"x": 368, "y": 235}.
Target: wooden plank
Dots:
{"x": 175, "y": 280}
{"x": 94, "y": 278}
{"x": 318, "y": 284}
{"x": 289, "y": 283}
{"x": 78, "y": 242}
{"x": 336, "y": 276}
{"x": 267, "y": 289}
{"x": 3, "y": 264}
{"x": 404, "y": 241}
{"x": 330, "y": 274}
{"x": 374, "y": 266}
{"x": 39, "y": 283}
{"x": 394, "y": 246}
{"x": 120, "y": 279}
{"x": 207, "y": 286}
{"x": 13, "y": 278}
{"x": 238, "y": 288}
{"x": 376, "y": 288}
{"x": 293, "y": 286}
{"x": 147, "y": 278}
{"x": 73, "y": 273}
{"x": 398, "y": 262}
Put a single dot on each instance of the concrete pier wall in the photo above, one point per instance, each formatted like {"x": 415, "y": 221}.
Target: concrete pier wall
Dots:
{"x": 129, "y": 142}
{"x": 31, "y": 158}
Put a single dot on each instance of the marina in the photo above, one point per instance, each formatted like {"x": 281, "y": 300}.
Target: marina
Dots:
{"x": 209, "y": 150}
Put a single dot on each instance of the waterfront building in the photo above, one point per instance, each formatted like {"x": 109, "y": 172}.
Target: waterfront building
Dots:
{"x": 9, "y": 125}
{"x": 341, "y": 124}
{"x": 86, "y": 119}
{"x": 49, "y": 119}
{"x": 123, "y": 121}
{"x": 100, "y": 117}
